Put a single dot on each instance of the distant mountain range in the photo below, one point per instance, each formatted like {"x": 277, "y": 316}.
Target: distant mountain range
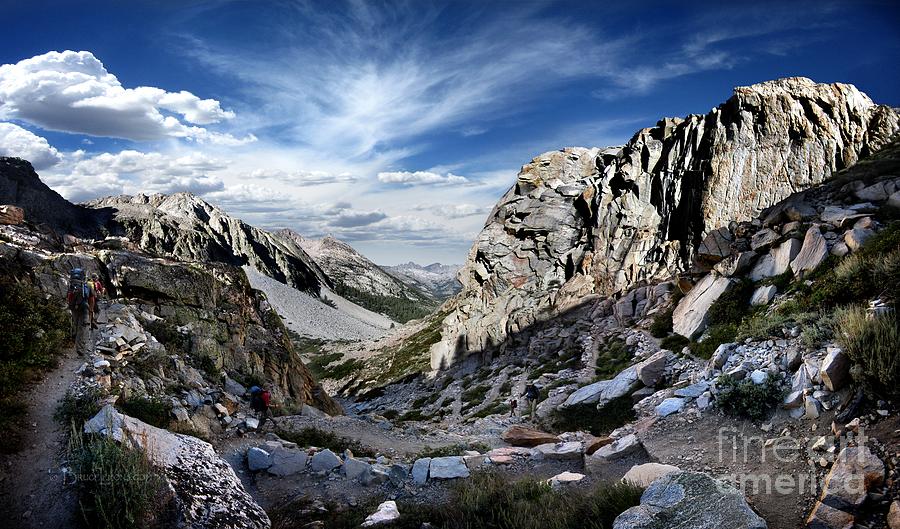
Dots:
{"x": 439, "y": 280}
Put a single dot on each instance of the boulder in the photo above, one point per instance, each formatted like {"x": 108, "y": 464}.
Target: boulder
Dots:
{"x": 835, "y": 215}
{"x": 386, "y": 513}
{"x": 565, "y": 478}
{"x": 449, "y": 467}
{"x": 357, "y": 470}
{"x": 763, "y": 295}
{"x": 693, "y": 391}
{"x": 840, "y": 249}
{"x": 736, "y": 264}
{"x": 873, "y": 193}
{"x": 812, "y": 253}
{"x": 669, "y": 406}
{"x": 690, "y": 500}
{"x": 592, "y": 444}
{"x": 715, "y": 246}
{"x": 309, "y": 411}
{"x": 894, "y": 201}
{"x": 645, "y": 474}
{"x": 893, "y": 516}
{"x": 855, "y": 473}
{"x": 518, "y": 435}
{"x": 793, "y": 400}
{"x": 856, "y": 237}
{"x": 835, "y": 370}
{"x": 619, "y": 449}
{"x": 324, "y": 461}
{"x": 758, "y": 376}
{"x": 258, "y": 459}
{"x": 763, "y": 239}
{"x": 824, "y": 516}
{"x": 13, "y": 215}
{"x": 690, "y": 316}
{"x": 420, "y": 470}
{"x": 287, "y": 461}
{"x": 568, "y": 451}
{"x": 651, "y": 370}
{"x": 207, "y": 492}
{"x": 605, "y": 391}
{"x": 722, "y": 354}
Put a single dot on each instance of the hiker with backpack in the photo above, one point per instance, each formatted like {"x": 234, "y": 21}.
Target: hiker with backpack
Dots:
{"x": 531, "y": 396}
{"x": 261, "y": 403}
{"x": 82, "y": 301}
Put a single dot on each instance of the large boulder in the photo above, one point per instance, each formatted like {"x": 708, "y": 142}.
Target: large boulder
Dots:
{"x": 651, "y": 370}
{"x": 324, "y": 461}
{"x": 690, "y": 317}
{"x": 11, "y": 215}
{"x": 854, "y": 474}
{"x": 645, "y": 474}
{"x": 567, "y": 451}
{"x": 449, "y": 467}
{"x": 386, "y": 513}
{"x": 518, "y": 435}
{"x": 690, "y": 500}
{"x": 835, "y": 370}
{"x": 605, "y": 391}
{"x": 812, "y": 253}
{"x": 619, "y": 449}
{"x": 208, "y": 494}
{"x": 287, "y": 461}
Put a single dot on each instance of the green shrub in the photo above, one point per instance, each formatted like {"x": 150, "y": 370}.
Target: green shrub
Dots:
{"x": 497, "y": 408}
{"x": 76, "y": 408}
{"x": 743, "y": 398}
{"x": 452, "y": 450}
{"x": 715, "y": 336}
{"x": 484, "y": 501}
{"x": 175, "y": 341}
{"x": 587, "y": 417}
{"x": 119, "y": 487}
{"x": 674, "y": 343}
{"x": 475, "y": 395}
{"x": 153, "y": 411}
{"x": 398, "y": 309}
{"x": 413, "y": 415}
{"x": 311, "y": 436}
{"x": 612, "y": 357}
{"x": 662, "y": 323}
{"x": 733, "y": 305}
{"x": 873, "y": 345}
{"x": 33, "y": 331}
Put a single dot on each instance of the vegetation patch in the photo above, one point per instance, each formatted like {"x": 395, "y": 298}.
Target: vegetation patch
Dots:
{"x": 452, "y": 450}
{"x": 872, "y": 344}
{"x": 398, "y": 309}
{"x": 485, "y": 501}
{"x": 588, "y": 418}
{"x": 412, "y": 355}
{"x": 612, "y": 357}
{"x": 153, "y": 411}
{"x": 76, "y": 408}
{"x": 118, "y": 486}
{"x": 744, "y": 398}
{"x": 674, "y": 343}
{"x": 35, "y": 330}
{"x": 311, "y": 436}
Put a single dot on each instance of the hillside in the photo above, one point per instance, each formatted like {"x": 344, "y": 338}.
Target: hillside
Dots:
{"x": 437, "y": 279}
{"x": 361, "y": 281}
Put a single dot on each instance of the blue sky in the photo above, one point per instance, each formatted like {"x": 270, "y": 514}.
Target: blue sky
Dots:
{"x": 392, "y": 125}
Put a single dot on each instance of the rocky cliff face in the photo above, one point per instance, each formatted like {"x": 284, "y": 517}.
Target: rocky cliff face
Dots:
{"x": 581, "y": 221}
{"x": 185, "y": 227}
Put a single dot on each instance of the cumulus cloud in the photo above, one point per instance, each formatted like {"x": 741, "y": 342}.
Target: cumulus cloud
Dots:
{"x": 82, "y": 177}
{"x": 73, "y": 92}
{"x": 16, "y": 141}
{"x": 421, "y": 178}
{"x": 355, "y": 219}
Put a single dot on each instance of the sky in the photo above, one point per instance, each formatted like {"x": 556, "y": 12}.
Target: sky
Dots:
{"x": 394, "y": 126}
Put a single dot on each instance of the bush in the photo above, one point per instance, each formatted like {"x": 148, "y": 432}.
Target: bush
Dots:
{"x": 76, "y": 408}
{"x": 452, "y": 450}
{"x": 743, "y": 398}
{"x": 485, "y": 501}
{"x": 398, "y": 309}
{"x": 873, "y": 345}
{"x": 733, "y": 305}
{"x": 119, "y": 487}
{"x": 674, "y": 343}
{"x": 311, "y": 436}
{"x": 153, "y": 411}
{"x": 662, "y": 323}
{"x": 34, "y": 331}
{"x": 613, "y": 357}
{"x": 587, "y": 417}
{"x": 715, "y": 336}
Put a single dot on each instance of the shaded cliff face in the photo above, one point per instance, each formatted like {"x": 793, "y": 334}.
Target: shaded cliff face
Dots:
{"x": 581, "y": 221}
{"x": 185, "y": 227}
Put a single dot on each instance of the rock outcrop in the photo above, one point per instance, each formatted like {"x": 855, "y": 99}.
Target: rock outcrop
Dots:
{"x": 580, "y": 221}
{"x": 208, "y": 494}
{"x": 185, "y": 227}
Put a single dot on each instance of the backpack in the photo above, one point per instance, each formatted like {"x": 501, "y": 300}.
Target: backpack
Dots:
{"x": 79, "y": 292}
{"x": 258, "y": 400}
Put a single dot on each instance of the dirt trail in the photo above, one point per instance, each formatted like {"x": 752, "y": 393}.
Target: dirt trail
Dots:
{"x": 32, "y": 490}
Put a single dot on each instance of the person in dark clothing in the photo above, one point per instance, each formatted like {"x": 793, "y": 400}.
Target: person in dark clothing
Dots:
{"x": 261, "y": 403}
{"x": 531, "y": 396}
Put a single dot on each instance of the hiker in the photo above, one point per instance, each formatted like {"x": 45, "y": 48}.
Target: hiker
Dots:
{"x": 97, "y": 286}
{"x": 95, "y": 282}
{"x": 260, "y": 402}
{"x": 512, "y": 407}
{"x": 82, "y": 300}
{"x": 531, "y": 395}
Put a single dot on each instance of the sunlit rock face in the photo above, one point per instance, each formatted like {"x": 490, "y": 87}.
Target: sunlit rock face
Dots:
{"x": 580, "y": 221}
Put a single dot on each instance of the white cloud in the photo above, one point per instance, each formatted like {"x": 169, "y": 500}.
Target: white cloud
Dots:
{"x": 73, "y": 92}
{"x": 303, "y": 178}
{"x": 16, "y": 141}
{"x": 420, "y": 178}
{"x": 453, "y": 211}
